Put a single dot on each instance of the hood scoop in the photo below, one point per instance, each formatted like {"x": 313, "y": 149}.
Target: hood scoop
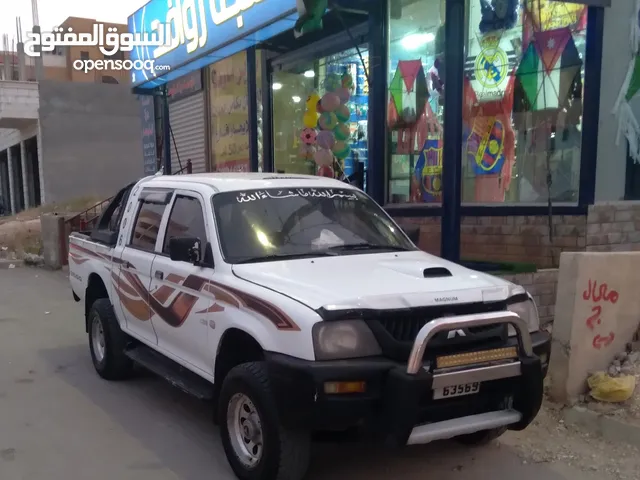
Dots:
{"x": 436, "y": 272}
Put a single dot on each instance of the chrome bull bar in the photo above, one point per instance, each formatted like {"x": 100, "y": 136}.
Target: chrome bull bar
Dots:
{"x": 445, "y": 324}
{"x": 459, "y": 426}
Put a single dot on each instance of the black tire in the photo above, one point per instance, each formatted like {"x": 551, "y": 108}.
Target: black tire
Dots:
{"x": 481, "y": 438}
{"x": 285, "y": 453}
{"x": 114, "y": 364}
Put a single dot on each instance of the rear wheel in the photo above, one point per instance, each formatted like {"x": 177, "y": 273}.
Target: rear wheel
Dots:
{"x": 257, "y": 446}
{"x": 107, "y": 342}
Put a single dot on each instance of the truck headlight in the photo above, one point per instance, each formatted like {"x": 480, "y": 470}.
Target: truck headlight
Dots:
{"x": 528, "y": 312}
{"x": 336, "y": 340}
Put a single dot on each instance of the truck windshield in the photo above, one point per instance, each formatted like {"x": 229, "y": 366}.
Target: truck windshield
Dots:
{"x": 276, "y": 224}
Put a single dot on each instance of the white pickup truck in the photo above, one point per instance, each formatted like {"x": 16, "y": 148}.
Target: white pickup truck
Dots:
{"x": 296, "y": 304}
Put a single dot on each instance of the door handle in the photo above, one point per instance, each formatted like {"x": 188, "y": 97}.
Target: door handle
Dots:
{"x": 159, "y": 275}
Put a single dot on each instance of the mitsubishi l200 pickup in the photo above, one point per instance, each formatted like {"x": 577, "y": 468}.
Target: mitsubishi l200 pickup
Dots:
{"x": 295, "y": 304}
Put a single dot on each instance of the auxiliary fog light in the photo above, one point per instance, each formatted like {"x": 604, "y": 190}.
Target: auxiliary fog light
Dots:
{"x": 332, "y": 388}
{"x": 471, "y": 358}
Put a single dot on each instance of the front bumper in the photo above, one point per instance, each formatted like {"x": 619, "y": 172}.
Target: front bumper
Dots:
{"x": 398, "y": 405}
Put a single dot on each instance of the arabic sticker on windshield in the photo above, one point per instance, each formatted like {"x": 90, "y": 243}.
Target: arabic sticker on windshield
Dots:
{"x": 329, "y": 193}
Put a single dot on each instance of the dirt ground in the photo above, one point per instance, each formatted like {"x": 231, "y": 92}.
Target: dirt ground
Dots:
{"x": 21, "y": 237}
{"x": 550, "y": 441}
{"x": 20, "y": 233}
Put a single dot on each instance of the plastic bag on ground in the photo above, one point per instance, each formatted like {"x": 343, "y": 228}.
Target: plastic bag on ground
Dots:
{"x": 609, "y": 389}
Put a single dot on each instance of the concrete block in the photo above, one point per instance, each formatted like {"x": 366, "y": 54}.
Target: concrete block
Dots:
{"x": 597, "y": 312}
{"x": 53, "y": 240}
{"x": 609, "y": 428}
{"x": 7, "y": 263}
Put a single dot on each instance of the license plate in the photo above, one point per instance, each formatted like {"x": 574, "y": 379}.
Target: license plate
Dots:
{"x": 456, "y": 390}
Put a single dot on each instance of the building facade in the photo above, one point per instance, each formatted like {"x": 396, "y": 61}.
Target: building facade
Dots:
{"x": 494, "y": 130}
{"x": 69, "y": 124}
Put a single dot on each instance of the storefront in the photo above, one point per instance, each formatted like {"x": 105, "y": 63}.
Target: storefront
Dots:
{"x": 188, "y": 122}
{"x": 490, "y": 123}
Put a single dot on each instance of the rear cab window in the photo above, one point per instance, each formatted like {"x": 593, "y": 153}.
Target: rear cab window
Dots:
{"x": 151, "y": 208}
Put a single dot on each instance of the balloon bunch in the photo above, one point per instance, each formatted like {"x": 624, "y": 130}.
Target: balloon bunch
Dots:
{"x": 309, "y": 133}
{"x": 330, "y": 114}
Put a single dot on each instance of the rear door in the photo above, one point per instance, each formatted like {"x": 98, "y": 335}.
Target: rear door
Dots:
{"x": 136, "y": 257}
{"x": 179, "y": 301}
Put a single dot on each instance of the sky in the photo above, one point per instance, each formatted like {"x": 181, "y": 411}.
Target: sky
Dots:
{"x": 53, "y": 12}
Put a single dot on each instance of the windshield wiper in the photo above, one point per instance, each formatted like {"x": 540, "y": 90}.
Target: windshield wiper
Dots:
{"x": 286, "y": 256}
{"x": 367, "y": 246}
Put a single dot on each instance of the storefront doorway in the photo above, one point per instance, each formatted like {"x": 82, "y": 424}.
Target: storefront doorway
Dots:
{"x": 320, "y": 103}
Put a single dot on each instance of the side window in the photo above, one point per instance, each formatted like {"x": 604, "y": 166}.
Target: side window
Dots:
{"x": 185, "y": 220}
{"x": 145, "y": 231}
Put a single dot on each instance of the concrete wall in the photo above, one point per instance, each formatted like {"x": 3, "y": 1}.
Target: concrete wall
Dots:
{"x": 596, "y": 310}
{"x": 18, "y": 103}
{"x": 613, "y": 227}
{"x": 90, "y": 139}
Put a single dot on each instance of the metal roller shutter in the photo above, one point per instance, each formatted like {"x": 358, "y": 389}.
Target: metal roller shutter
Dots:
{"x": 187, "y": 121}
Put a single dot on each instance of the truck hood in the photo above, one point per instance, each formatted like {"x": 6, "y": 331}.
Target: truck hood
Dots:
{"x": 375, "y": 281}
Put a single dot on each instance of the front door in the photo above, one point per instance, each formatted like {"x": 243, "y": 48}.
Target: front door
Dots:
{"x": 179, "y": 304}
{"x": 134, "y": 274}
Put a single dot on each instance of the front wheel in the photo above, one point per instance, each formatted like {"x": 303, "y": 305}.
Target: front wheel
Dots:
{"x": 257, "y": 446}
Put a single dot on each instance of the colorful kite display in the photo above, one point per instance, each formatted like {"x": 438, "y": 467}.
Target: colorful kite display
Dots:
{"x": 628, "y": 124}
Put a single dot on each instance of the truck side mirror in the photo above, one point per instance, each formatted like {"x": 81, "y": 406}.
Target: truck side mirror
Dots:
{"x": 185, "y": 249}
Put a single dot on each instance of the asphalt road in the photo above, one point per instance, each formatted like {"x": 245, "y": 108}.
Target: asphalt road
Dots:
{"x": 59, "y": 421}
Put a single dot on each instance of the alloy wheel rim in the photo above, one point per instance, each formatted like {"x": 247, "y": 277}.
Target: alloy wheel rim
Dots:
{"x": 245, "y": 430}
{"x": 97, "y": 339}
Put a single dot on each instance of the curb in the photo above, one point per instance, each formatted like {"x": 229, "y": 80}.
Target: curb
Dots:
{"x": 6, "y": 264}
{"x": 609, "y": 428}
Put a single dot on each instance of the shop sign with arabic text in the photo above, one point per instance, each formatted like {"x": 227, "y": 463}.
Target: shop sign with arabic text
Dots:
{"x": 201, "y": 26}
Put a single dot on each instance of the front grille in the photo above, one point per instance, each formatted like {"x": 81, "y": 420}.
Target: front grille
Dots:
{"x": 397, "y": 330}
{"x": 404, "y": 327}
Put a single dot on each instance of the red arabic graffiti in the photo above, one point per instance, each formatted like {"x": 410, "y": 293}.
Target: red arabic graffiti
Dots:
{"x": 599, "y": 342}
{"x": 598, "y": 294}
{"x": 595, "y": 294}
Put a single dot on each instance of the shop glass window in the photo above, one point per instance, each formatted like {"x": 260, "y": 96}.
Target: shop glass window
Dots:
{"x": 522, "y": 101}
{"x": 415, "y": 101}
{"x": 320, "y": 113}
{"x": 229, "y": 97}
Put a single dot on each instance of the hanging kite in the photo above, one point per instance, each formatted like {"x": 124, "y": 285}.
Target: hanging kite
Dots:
{"x": 549, "y": 79}
{"x": 543, "y": 15}
{"x": 410, "y": 115}
{"x": 628, "y": 124}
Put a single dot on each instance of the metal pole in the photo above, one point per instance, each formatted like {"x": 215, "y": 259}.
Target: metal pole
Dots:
{"x": 166, "y": 131}
{"x": 252, "y": 84}
{"x": 452, "y": 162}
